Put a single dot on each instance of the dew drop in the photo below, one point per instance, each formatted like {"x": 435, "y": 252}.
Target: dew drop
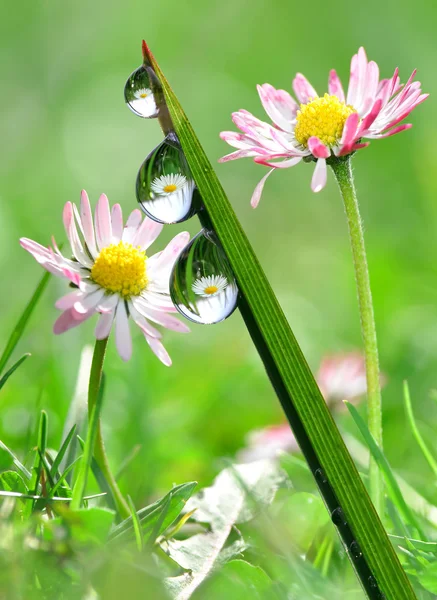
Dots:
{"x": 372, "y": 582}
{"x": 202, "y": 284}
{"x": 165, "y": 187}
{"x": 338, "y": 518}
{"x": 140, "y": 92}
{"x": 355, "y": 550}
{"x": 320, "y": 476}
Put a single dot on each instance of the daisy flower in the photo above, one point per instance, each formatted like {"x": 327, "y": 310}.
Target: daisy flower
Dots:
{"x": 143, "y": 103}
{"x": 342, "y": 376}
{"x": 112, "y": 276}
{"x": 321, "y": 128}
{"x": 270, "y": 442}
{"x": 171, "y": 197}
{"x": 210, "y": 285}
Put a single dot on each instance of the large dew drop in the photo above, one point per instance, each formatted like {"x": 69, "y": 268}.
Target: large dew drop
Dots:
{"x": 140, "y": 93}
{"x": 202, "y": 285}
{"x": 165, "y": 188}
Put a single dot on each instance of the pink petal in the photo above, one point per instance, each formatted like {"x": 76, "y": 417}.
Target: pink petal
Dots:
{"x": 68, "y": 300}
{"x": 167, "y": 321}
{"x": 140, "y": 320}
{"x": 103, "y": 222}
{"x": 68, "y": 320}
{"x": 159, "y": 350}
{"x": 87, "y": 223}
{"x": 123, "y": 339}
{"x": 168, "y": 256}
{"x": 73, "y": 276}
{"x": 318, "y": 149}
{"x": 334, "y": 86}
{"x": 391, "y": 132}
{"x": 238, "y": 154}
{"x": 279, "y": 105}
{"x": 131, "y": 226}
{"x": 370, "y": 118}
{"x": 104, "y": 325}
{"x": 357, "y": 77}
{"x": 284, "y": 164}
{"x": 318, "y": 181}
{"x": 303, "y": 89}
{"x": 89, "y": 301}
{"x": 76, "y": 245}
{"x": 349, "y": 133}
{"x": 256, "y": 196}
{"x": 108, "y": 303}
{"x": 117, "y": 223}
{"x": 147, "y": 233}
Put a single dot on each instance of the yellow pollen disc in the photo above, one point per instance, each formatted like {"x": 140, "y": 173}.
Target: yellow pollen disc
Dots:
{"x": 143, "y": 95}
{"x": 322, "y": 117}
{"x": 211, "y": 289}
{"x": 121, "y": 268}
{"x": 170, "y": 188}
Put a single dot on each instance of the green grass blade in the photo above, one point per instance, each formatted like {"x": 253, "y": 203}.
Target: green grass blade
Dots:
{"x": 63, "y": 476}
{"x": 136, "y": 524}
{"x": 62, "y": 451}
{"x": 416, "y": 433}
{"x": 99, "y": 476}
{"x": 22, "y": 322}
{"x": 392, "y": 485}
{"x": 285, "y": 363}
{"x": 14, "y": 367}
{"x": 34, "y": 484}
{"x": 18, "y": 464}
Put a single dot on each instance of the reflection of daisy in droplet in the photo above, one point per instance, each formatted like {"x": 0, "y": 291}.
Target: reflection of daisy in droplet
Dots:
{"x": 168, "y": 184}
{"x": 210, "y": 285}
{"x": 143, "y": 103}
{"x": 143, "y": 93}
{"x": 171, "y": 197}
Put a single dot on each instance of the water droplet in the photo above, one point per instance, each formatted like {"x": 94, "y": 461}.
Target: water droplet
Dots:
{"x": 320, "y": 476}
{"x": 140, "y": 92}
{"x": 372, "y": 582}
{"x": 355, "y": 550}
{"x": 202, "y": 285}
{"x": 165, "y": 187}
{"x": 338, "y": 518}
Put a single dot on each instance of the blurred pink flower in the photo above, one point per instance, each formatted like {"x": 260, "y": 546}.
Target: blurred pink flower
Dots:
{"x": 341, "y": 376}
{"x": 320, "y": 127}
{"x": 112, "y": 275}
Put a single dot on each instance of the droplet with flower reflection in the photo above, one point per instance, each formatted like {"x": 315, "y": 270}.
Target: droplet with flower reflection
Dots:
{"x": 202, "y": 284}
{"x": 140, "y": 93}
{"x": 165, "y": 187}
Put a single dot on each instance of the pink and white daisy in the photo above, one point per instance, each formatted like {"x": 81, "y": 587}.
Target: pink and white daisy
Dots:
{"x": 112, "y": 275}
{"x": 320, "y": 128}
{"x": 342, "y": 376}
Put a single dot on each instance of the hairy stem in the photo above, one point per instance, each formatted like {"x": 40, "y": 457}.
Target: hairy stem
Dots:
{"x": 343, "y": 172}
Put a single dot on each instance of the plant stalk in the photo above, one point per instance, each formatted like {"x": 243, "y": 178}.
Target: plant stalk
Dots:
{"x": 94, "y": 439}
{"x": 343, "y": 172}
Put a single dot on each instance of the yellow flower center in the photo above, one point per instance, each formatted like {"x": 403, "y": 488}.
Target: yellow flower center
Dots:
{"x": 322, "y": 117}
{"x": 211, "y": 289}
{"x": 121, "y": 268}
{"x": 144, "y": 95}
{"x": 170, "y": 188}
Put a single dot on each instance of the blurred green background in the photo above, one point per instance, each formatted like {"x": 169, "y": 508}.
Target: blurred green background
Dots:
{"x": 64, "y": 127}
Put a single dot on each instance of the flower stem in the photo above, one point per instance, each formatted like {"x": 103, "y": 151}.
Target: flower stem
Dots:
{"x": 94, "y": 437}
{"x": 343, "y": 172}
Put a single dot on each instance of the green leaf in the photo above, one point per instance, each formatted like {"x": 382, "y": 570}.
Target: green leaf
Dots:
{"x": 14, "y": 367}
{"x": 288, "y": 370}
{"x": 416, "y": 433}
{"x": 303, "y": 515}
{"x": 90, "y": 525}
{"x": 151, "y": 515}
{"x": 11, "y": 481}
{"x": 238, "y": 580}
{"x": 393, "y": 489}
{"x": 236, "y": 495}
{"x": 418, "y": 544}
{"x": 428, "y": 578}
{"x": 22, "y": 322}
